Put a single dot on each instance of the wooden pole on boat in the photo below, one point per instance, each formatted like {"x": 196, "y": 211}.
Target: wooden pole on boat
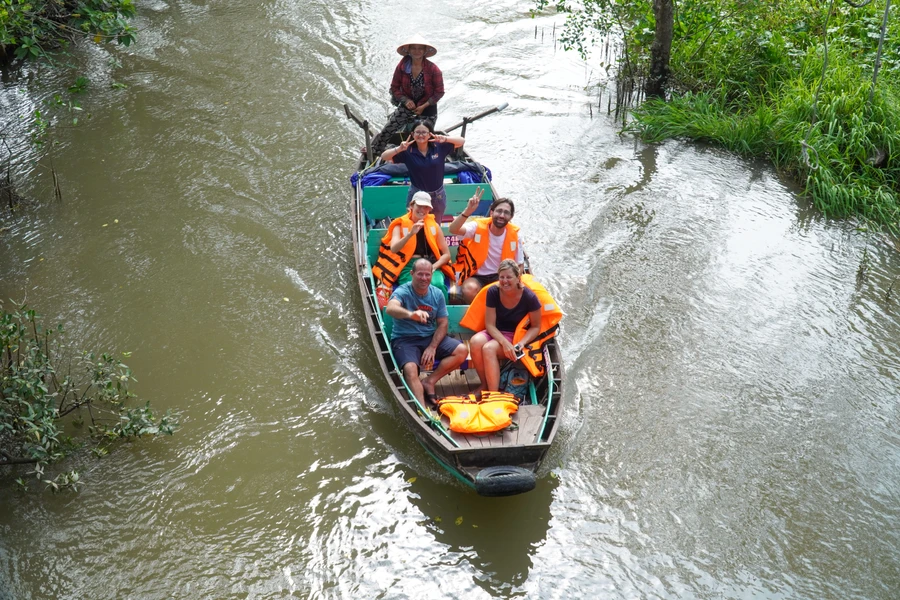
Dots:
{"x": 364, "y": 125}
{"x": 467, "y": 120}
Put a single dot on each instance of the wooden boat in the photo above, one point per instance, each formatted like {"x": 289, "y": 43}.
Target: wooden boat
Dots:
{"x": 495, "y": 464}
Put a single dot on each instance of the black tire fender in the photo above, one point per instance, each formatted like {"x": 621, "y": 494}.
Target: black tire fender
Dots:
{"x": 504, "y": 481}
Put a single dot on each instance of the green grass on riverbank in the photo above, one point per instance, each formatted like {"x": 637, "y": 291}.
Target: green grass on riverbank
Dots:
{"x": 753, "y": 92}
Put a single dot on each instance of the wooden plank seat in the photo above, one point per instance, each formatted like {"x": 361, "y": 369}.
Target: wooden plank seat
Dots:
{"x": 526, "y": 424}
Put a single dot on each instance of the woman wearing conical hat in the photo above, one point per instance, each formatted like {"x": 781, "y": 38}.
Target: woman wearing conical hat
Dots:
{"x": 416, "y": 87}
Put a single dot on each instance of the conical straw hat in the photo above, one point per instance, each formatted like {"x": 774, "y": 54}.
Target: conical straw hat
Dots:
{"x": 416, "y": 40}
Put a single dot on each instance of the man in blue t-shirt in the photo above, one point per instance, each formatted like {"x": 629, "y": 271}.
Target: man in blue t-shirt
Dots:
{"x": 419, "y": 336}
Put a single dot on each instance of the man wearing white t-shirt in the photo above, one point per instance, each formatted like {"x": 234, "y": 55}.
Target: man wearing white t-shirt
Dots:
{"x": 484, "y": 242}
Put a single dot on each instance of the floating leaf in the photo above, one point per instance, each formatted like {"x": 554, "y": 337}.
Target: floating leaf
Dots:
{"x": 115, "y": 220}
{"x": 106, "y": 224}
{"x": 287, "y": 299}
{"x": 411, "y": 480}
{"x": 459, "y": 520}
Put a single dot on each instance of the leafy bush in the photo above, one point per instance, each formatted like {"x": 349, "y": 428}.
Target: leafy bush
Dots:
{"x": 32, "y": 28}
{"x": 755, "y": 77}
{"x": 39, "y": 32}
{"x": 37, "y": 397}
{"x": 836, "y": 141}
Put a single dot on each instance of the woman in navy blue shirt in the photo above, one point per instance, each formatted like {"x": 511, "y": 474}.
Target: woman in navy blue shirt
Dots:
{"x": 423, "y": 154}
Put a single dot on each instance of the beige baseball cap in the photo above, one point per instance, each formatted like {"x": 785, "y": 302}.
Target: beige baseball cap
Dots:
{"x": 422, "y": 199}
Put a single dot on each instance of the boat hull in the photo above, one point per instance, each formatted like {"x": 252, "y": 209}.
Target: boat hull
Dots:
{"x": 494, "y": 464}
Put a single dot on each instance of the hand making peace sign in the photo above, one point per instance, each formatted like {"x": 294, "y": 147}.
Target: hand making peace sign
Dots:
{"x": 475, "y": 200}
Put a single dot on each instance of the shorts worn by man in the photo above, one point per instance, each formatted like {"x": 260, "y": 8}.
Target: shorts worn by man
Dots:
{"x": 419, "y": 336}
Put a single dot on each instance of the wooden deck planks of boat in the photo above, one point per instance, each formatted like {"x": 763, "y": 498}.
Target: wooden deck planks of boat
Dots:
{"x": 527, "y": 420}
{"x": 526, "y": 424}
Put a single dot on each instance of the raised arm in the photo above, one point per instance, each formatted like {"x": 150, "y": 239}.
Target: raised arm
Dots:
{"x": 471, "y": 206}
{"x": 457, "y": 141}
{"x": 390, "y": 153}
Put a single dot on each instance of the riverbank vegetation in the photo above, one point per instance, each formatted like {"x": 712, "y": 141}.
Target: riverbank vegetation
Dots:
{"x": 40, "y": 33}
{"x": 811, "y": 86}
{"x": 56, "y": 401}
{"x": 37, "y": 29}
{"x": 48, "y": 389}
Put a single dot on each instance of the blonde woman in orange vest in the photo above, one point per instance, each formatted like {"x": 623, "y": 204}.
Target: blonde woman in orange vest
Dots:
{"x": 414, "y": 235}
{"x": 484, "y": 243}
{"x": 507, "y": 303}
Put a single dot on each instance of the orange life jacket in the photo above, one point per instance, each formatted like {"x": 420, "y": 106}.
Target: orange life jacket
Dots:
{"x": 473, "y": 252}
{"x": 551, "y": 315}
{"x": 468, "y": 415}
{"x": 388, "y": 264}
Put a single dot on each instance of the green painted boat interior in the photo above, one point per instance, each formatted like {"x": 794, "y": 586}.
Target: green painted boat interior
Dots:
{"x": 389, "y": 201}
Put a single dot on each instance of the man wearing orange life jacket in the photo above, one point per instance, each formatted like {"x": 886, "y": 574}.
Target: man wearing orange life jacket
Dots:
{"x": 484, "y": 243}
{"x": 412, "y": 236}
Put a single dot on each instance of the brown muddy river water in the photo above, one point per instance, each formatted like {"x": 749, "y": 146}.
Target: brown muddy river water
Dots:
{"x": 731, "y": 428}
